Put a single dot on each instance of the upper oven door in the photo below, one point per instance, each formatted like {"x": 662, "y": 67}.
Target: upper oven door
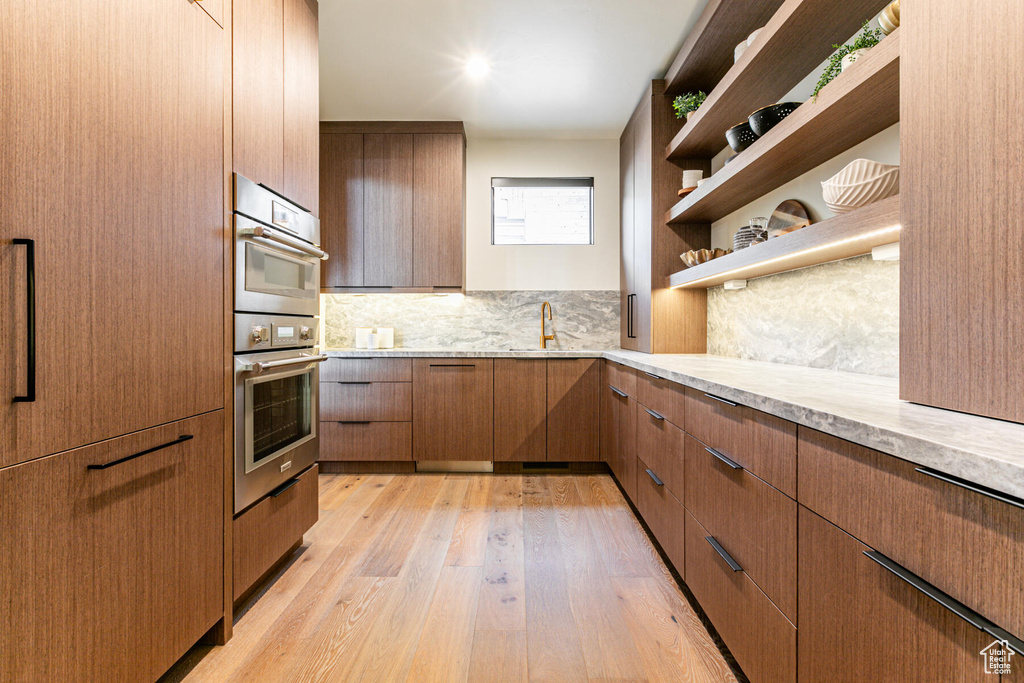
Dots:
{"x": 271, "y": 275}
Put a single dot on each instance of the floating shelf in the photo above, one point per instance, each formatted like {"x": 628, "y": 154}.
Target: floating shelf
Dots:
{"x": 707, "y": 53}
{"x": 862, "y": 101}
{"x": 851, "y": 234}
{"x": 769, "y": 69}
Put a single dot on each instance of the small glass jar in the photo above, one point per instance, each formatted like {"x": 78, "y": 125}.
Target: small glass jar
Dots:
{"x": 759, "y": 227}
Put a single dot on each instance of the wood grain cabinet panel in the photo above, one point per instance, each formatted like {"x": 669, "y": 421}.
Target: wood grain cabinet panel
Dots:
{"x": 762, "y": 443}
{"x": 620, "y": 376}
{"x": 664, "y": 515}
{"x": 103, "y": 154}
{"x": 366, "y": 401}
{"x": 341, "y": 208}
{"x": 257, "y": 85}
{"x": 859, "y": 622}
{"x": 969, "y": 545}
{"x": 618, "y": 430}
{"x": 97, "y": 563}
{"x": 574, "y": 410}
{"x": 665, "y": 397}
{"x": 215, "y": 8}
{"x": 439, "y": 181}
{"x": 301, "y": 170}
{"x": 758, "y": 634}
{"x": 366, "y": 370}
{"x": 662, "y": 446}
{"x": 754, "y": 522}
{"x": 627, "y": 278}
{"x": 365, "y": 441}
{"x": 520, "y": 410}
{"x": 453, "y": 409}
{"x": 387, "y": 210}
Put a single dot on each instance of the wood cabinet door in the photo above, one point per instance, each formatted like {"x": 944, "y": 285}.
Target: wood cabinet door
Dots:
{"x": 301, "y": 104}
{"x": 520, "y": 410}
{"x": 341, "y": 209}
{"x": 626, "y": 276}
{"x": 215, "y": 8}
{"x": 574, "y": 410}
{"x": 257, "y": 86}
{"x": 859, "y": 622}
{"x": 439, "y": 181}
{"x": 112, "y": 163}
{"x": 453, "y": 409}
{"x": 113, "y": 574}
{"x": 387, "y": 209}
{"x": 643, "y": 178}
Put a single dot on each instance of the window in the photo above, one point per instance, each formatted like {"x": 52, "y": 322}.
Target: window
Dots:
{"x": 542, "y": 211}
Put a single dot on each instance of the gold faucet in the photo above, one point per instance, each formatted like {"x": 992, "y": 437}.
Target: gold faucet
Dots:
{"x": 544, "y": 337}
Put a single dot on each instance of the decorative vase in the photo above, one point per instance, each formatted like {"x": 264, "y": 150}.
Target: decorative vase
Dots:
{"x": 853, "y": 57}
{"x": 689, "y": 115}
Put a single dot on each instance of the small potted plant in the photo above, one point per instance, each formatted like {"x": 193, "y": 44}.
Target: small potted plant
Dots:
{"x": 686, "y": 105}
{"x": 846, "y": 55}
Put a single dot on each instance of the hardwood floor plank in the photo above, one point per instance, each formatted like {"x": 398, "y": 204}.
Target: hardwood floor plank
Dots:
{"x": 499, "y": 657}
{"x": 395, "y": 540}
{"x": 446, "y": 645}
{"x": 608, "y": 647}
{"x": 554, "y": 652}
{"x": 623, "y": 543}
{"x": 671, "y": 649}
{"x": 502, "y": 604}
{"x": 469, "y": 542}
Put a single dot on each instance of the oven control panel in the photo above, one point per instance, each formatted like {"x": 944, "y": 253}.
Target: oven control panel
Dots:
{"x": 254, "y": 332}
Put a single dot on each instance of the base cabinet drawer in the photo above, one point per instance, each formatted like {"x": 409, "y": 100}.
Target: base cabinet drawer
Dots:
{"x": 622, "y": 377}
{"x": 366, "y": 370}
{"x": 366, "y": 402}
{"x": 266, "y": 531}
{"x": 663, "y": 513}
{"x": 365, "y": 441}
{"x": 753, "y": 521}
{"x": 663, "y": 396}
{"x": 111, "y": 566}
{"x": 860, "y": 622}
{"x": 662, "y": 446}
{"x": 618, "y": 437}
{"x": 758, "y": 634}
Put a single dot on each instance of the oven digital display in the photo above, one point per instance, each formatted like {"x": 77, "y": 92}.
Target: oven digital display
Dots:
{"x": 285, "y": 332}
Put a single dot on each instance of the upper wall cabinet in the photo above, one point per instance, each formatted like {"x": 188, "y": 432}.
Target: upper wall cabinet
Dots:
{"x": 393, "y": 198}
{"x": 275, "y": 96}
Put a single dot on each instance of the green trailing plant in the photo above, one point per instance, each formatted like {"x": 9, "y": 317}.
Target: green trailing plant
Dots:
{"x": 684, "y": 104}
{"x": 868, "y": 38}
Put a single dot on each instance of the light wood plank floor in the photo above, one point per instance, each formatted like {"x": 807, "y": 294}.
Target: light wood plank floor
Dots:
{"x": 469, "y": 578}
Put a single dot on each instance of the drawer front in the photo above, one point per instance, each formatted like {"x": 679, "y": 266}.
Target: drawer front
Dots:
{"x": 622, "y": 377}
{"x": 754, "y": 522}
{"x": 454, "y": 415}
{"x": 967, "y": 544}
{"x": 883, "y": 629}
{"x": 618, "y": 439}
{"x": 365, "y": 441}
{"x": 661, "y": 445}
{"x": 758, "y": 634}
{"x": 366, "y": 370}
{"x": 265, "y": 532}
{"x": 664, "y": 515}
{"x": 662, "y": 396}
{"x": 762, "y": 443}
{"x": 366, "y": 402}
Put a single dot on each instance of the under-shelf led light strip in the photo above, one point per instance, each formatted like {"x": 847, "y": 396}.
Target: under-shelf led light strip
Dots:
{"x": 795, "y": 254}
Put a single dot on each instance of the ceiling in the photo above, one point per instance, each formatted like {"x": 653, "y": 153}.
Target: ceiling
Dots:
{"x": 559, "y": 68}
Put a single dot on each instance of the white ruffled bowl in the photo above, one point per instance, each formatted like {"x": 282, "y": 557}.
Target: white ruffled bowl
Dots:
{"x": 861, "y": 183}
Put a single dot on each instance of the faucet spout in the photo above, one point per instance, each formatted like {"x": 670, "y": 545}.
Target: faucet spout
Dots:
{"x": 544, "y": 336}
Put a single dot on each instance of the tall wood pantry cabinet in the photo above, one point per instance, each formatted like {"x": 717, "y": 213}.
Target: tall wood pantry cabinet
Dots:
{"x": 656, "y": 319}
{"x": 393, "y": 205}
{"x": 112, "y": 362}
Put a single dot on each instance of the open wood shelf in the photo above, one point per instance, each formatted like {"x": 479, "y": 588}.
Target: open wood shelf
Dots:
{"x": 707, "y": 53}
{"x": 777, "y": 61}
{"x": 861, "y": 102}
{"x": 851, "y": 234}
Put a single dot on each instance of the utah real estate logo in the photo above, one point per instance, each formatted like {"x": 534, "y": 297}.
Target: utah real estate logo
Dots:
{"x": 997, "y": 657}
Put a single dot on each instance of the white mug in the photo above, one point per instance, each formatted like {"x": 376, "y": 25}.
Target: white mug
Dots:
{"x": 363, "y": 336}
{"x": 373, "y": 341}
{"x": 692, "y": 178}
{"x": 387, "y": 337}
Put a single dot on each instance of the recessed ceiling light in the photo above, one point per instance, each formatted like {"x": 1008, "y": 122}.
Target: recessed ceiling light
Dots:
{"x": 477, "y": 68}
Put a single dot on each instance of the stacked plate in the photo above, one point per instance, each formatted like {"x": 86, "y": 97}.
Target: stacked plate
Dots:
{"x": 744, "y": 238}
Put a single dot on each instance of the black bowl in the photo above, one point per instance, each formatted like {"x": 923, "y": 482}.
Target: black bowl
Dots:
{"x": 766, "y": 118}
{"x": 740, "y": 137}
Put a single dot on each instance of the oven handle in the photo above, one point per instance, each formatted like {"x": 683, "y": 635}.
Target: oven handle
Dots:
{"x": 275, "y": 236}
{"x": 271, "y": 364}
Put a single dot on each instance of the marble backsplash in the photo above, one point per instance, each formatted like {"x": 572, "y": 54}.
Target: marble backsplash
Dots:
{"x": 493, "y": 320}
{"x": 838, "y": 316}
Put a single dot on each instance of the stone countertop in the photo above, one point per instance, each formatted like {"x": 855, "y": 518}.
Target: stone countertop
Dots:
{"x": 860, "y": 408}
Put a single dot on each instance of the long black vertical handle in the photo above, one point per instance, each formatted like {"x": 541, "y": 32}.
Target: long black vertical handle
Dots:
{"x": 629, "y": 313}
{"x": 30, "y": 318}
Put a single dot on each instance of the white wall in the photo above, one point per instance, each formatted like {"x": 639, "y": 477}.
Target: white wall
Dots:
{"x": 593, "y": 267}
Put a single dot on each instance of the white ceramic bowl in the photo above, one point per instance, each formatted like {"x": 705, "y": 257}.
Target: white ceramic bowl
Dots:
{"x": 861, "y": 183}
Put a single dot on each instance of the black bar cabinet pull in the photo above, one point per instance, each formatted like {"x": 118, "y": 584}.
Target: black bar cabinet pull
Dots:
{"x": 1009, "y": 500}
{"x": 654, "y": 476}
{"x": 358, "y": 384}
{"x": 723, "y": 554}
{"x": 154, "y": 449}
{"x": 728, "y": 461}
{"x": 452, "y": 365}
{"x": 30, "y": 319}
{"x": 284, "y": 487}
{"x": 629, "y": 316}
{"x": 354, "y": 422}
{"x": 652, "y": 375}
{"x": 654, "y": 414}
{"x": 722, "y": 400}
{"x": 952, "y": 604}
{"x": 615, "y": 391}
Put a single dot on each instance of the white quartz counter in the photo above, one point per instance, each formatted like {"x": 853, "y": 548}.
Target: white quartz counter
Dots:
{"x": 859, "y": 408}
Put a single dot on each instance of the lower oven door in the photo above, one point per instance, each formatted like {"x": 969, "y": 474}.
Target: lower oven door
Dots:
{"x": 276, "y": 416}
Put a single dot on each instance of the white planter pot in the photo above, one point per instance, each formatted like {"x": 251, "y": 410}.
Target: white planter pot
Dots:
{"x": 853, "y": 57}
